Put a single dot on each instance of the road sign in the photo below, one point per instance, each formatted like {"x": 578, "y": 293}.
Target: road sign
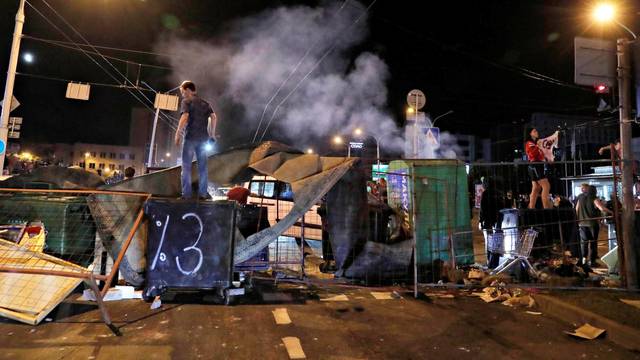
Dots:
{"x": 416, "y": 99}
{"x": 433, "y": 136}
{"x": 78, "y": 91}
{"x": 14, "y": 125}
{"x": 166, "y": 102}
{"x": 595, "y": 62}
{"x": 356, "y": 145}
{"x": 14, "y": 103}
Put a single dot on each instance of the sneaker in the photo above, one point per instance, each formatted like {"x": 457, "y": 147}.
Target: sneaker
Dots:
{"x": 185, "y": 198}
{"x": 205, "y": 197}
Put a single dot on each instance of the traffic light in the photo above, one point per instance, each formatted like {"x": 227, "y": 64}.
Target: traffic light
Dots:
{"x": 601, "y": 88}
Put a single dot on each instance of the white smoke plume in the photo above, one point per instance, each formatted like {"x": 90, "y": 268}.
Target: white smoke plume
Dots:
{"x": 243, "y": 68}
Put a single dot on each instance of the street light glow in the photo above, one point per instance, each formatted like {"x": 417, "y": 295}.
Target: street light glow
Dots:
{"x": 357, "y": 132}
{"x": 410, "y": 110}
{"x": 208, "y": 147}
{"x": 337, "y": 139}
{"x": 309, "y": 151}
{"x": 87, "y": 154}
{"x": 604, "y": 12}
{"x": 28, "y": 58}
{"x": 167, "y": 154}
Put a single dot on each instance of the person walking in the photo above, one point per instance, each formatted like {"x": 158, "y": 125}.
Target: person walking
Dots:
{"x": 537, "y": 172}
{"x": 194, "y": 130}
{"x": 588, "y": 210}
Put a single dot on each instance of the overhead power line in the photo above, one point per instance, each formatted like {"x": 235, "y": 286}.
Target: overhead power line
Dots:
{"x": 143, "y": 52}
{"x": 63, "y": 44}
{"x": 169, "y": 120}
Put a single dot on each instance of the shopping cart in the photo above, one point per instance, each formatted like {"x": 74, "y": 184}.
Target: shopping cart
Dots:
{"x": 519, "y": 253}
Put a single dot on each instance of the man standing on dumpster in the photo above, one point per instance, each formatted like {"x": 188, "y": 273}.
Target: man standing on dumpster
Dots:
{"x": 194, "y": 126}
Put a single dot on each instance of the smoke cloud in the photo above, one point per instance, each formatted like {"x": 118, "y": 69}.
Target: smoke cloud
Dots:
{"x": 242, "y": 69}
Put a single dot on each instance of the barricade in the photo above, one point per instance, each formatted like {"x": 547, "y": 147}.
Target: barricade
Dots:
{"x": 50, "y": 243}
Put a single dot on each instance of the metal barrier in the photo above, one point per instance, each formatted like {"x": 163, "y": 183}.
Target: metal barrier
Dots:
{"x": 55, "y": 237}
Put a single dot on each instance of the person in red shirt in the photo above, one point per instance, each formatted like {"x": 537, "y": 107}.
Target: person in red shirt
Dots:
{"x": 537, "y": 171}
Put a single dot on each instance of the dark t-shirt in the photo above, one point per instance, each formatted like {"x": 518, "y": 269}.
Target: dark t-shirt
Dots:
{"x": 587, "y": 210}
{"x": 199, "y": 112}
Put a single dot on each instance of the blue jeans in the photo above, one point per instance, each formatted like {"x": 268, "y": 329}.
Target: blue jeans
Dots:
{"x": 189, "y": 147}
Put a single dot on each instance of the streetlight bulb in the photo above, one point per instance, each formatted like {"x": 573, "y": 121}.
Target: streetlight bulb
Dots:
{"x": 167, "y": 154}
{"x": 87, "y": 154}
{"x": 28, "y": 58}
{"x": 309, "y": 151}
{"x": 410, "y": 110}
{"x": 604, "y": 12}
{"x": 337, "y": 139}
{"x": 357, "y": 132}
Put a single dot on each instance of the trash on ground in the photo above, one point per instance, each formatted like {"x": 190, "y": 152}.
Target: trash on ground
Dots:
{"x": 586, "y": 331}
{"x": 282, "y": 316}
{"x": 533, "y": 312}
{"x": 475, "y": 274}
{"x": 517, "y": 301}
{"x": 113, "y": 294}
{"x": 382, "y": 295}
{"x": 294, "y": 348}
{"x": 341, "y": 297}
{"x": 157, "y": 303}
{"x": 635, "y": 303}
{"x": 440, "y": 296}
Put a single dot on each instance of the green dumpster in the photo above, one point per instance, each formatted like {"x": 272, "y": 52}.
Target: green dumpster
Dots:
{"x": 71, "y": 231}
{"x": 442, "y": 215}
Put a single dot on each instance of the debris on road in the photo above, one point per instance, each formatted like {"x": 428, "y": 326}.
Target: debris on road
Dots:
{"x": 382, "y": 295}
{"x": 341, "y": 297}
{"x": 281, "y": 316}
{"x": 116, "y": 293}
{"x": 586, "y": 331}
{"x": 635, "y": 303}
{"x": 294, "y": 348}
{"x": 533, "y": 312}
{"x": 157, "y": 303}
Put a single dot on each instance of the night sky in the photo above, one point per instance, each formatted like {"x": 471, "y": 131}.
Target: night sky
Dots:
{"x": 467, "y": 56}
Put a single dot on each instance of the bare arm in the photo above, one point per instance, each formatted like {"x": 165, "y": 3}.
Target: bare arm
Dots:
{"x": 212, "y": 126}
{"x": 598, "y": 203}
{"x": 184, "y": 118}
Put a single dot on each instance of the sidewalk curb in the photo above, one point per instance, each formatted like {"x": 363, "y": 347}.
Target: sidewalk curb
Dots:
{"x": 620, "y": 334}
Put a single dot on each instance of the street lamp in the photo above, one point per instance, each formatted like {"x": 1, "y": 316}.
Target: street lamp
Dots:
{"x": 606, "y": 13}
{"x": 339, "y": 141}
{"x": 167, "y": 154}
{"x": 359, "y": 132}
{"x": 309, "y": 151}
{"x": 433, "y": 124}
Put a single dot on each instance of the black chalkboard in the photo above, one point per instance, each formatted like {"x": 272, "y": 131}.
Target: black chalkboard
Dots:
{"x": 189, "y": 244}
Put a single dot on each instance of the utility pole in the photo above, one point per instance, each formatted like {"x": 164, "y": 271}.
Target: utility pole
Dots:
{"x": 628, "y": 203}
{"x": 11, "y": 76}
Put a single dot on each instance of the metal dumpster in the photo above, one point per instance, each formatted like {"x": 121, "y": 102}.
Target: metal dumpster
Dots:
{"x": 190, "y": 246}
{"x": 71, "y": 230}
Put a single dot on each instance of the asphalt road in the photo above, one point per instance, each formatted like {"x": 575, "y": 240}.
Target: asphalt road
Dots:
{"x": 363, "y": 327}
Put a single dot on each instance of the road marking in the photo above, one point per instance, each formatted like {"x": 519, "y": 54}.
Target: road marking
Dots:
{"x": 282, "y": 316}
{"x": 294, "y": 348}
{"x": 341, "y": 297}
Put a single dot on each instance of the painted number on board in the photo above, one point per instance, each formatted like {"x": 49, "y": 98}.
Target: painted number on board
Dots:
{"x": 163, "y": 257}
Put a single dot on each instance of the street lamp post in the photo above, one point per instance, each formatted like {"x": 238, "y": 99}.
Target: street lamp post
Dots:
{"x": 359, "y": 132}
{"x": 11, "y": 76}
{"x": 606, "y": 13}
